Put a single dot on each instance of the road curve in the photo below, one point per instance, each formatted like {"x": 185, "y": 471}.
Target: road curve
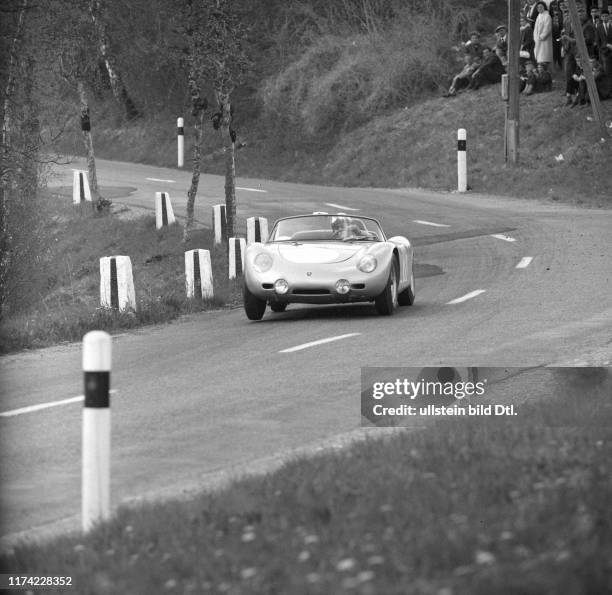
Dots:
{"x": 500, "y": 282}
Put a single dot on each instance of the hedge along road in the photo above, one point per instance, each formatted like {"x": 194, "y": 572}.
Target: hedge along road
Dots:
{"x": 215, "y": 391}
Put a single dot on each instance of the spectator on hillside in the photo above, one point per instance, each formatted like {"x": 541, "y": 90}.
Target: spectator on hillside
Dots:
{"x": 473, "y": 47}
{"x": 568, "y": 43}
{"x": 582, "y": 93}
{"x": 501, "y": 44}
{"x": 604, "y": 42}
{"x": 526, "y": 41}
{"x": 530, "y": 11}
{"x": 543, "y": 79}
{"x": 542, "y": 35}
{"x": 588, "y": 30}
{"x": 489, "y": 72}
{"x": 603, "y": 81}
{"x": 557, "y": 27}
{"x": 462, "y": 79}
{"x": 528, "y": 79}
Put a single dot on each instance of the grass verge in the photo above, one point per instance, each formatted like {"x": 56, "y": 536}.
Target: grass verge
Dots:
{"x": 471, "y": 505}
{"x": 60, "y": 300}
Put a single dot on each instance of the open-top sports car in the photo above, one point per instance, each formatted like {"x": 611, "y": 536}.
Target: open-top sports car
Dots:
{"x": 327, "y": 259}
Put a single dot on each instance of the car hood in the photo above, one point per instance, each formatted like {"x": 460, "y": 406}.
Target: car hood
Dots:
{"x": 316, "y": 252}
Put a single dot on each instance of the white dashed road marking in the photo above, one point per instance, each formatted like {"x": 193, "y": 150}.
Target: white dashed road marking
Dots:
{"x": 39, "y": 407}
{"x": 159, "y": 180}
{"x": 467, "y": 296}
{"x": 250, "y": 189}
{"x": 319, "y": 342}
{"x": 431, "y": 223}
{"x": 501, "y": 236}
{"x": 331, "y": 204}
{"x": 524, "y": 262}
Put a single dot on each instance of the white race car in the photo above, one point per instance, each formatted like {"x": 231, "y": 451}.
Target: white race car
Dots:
{"x": 328, "y": 259}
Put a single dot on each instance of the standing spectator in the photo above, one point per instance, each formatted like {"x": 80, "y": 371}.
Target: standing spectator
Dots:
{"x": 557, "y": 27}
{"x": 530, "y": 11}
{"x": 542, "y": 35}
{"x": 603, "y": 35}
{"x": 526, "y": 41}
{"x": 568, "y": 43}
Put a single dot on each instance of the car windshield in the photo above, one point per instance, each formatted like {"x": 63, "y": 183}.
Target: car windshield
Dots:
{"x": 325, "y": 228}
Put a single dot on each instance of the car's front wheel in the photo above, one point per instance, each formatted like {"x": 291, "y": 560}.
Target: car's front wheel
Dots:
{"x": 253, "y": 306}
{"x": 386, "y": 302}
{"x": 278, "y": 306}
{"x": 406, "y": 298}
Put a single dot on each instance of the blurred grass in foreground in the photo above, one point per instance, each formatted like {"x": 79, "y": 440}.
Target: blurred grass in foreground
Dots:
{"x": 467, "y": 506}
{"x": 58, "y": 299}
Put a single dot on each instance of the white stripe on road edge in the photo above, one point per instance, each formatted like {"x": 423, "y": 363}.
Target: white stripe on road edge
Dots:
{"x": 430, "y": 223}
{"x": 34, "y": 408}
{"x": 331, "y": 204}
{"x": 467, "y": 296}
{"x": 250, "y": 189}
{"x": 319, "y": 342}
{"x": 524, "y": 262}
{"x": 501, "y": 236}
{"x": 159, "y": 180}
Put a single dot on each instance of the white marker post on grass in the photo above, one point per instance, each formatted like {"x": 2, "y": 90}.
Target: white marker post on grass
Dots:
{"x": 164, "y": 215}
{"x": 80, "y": 187}
{"x": 198, "y": 274}
{"x": 95, "y": 503}
{"x": 219, "y": 223}
{"x": 237, "y": 247}
{"x": 180, "y": 139}
{"x": 461, "y": 160}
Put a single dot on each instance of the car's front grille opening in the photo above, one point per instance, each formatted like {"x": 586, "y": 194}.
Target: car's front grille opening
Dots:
{"x": 304, "y": 291}
{"x": 267, "y": 285}
{"x": 358, "y": 286}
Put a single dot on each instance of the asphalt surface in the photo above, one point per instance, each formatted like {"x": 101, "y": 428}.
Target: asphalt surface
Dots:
{"x": 216, "y": 391}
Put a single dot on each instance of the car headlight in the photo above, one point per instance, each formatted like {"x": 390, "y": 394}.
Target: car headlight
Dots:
{"x": 262, "y": 262}
{"x": 367, "y": 264}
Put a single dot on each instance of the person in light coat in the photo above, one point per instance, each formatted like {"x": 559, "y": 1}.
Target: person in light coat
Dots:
{"x": 542, "y": 34}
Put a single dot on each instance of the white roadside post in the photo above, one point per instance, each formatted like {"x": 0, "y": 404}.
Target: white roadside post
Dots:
{"x": 461, "y": 160}
{"x": 164, "y": 215}
{"x": 257, "y": 229}
{"x": 80, "y": 187}
{"x": 95, "y": 478}
{"x": 219, "y": 223}
{"x": 237, "y": 247}
{"x": 198, "y": 274}
{"x": 180, "y": 138}
{"x": 117, "y": 283}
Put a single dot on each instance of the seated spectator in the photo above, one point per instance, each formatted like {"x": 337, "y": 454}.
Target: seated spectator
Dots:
{"x": 603, "y": 81}
{"x": 473, "y": 47}
{"x": 582, "y": 93}
{"x": 489, "y": 72}
{"x": 462, "y": 80}
{"x": 543, "y": 79}
{"x": 501, "y": 44}
{"x": 528, "y": 79}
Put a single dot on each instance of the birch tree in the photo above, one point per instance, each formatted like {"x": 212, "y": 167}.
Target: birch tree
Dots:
{"x": 105, "y": 47}
{"x": 215, "y": 51}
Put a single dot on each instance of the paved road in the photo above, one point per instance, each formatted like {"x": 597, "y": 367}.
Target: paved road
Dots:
{"x": 500, "y": 282}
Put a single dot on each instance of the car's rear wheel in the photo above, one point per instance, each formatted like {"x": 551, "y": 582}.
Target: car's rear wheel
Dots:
{"x": 278, "y": 306}
{"x": 253, "y": 306}
{"x": 406, "y": 298}
{"x": 386, "y": 302}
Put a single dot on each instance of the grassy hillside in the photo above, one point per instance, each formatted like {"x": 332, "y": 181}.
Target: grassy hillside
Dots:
{"x": 411, "y": 147}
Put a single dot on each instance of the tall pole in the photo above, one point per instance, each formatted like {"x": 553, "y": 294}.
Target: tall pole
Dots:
{"x": 512, "y": 121}
{"x": 586, "y": 66}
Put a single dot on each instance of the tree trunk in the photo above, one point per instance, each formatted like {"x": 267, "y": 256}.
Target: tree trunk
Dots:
{"x": 230, "y": 165}
{"x": 116, "y": 82}
{"x": 7, "y": 165}
{"x": 195, "y": 176}
{"x": 87, "y": 141}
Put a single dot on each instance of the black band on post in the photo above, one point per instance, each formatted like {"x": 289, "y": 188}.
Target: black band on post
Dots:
{"x": 164, "y": 208}
{"x": 180, "y": 130}
{"x": 461, "y": 145}
{"x": 197, "y": 279}
{"x": 114, "y": 285}
{"x": 97, "y": 385}
{"x": 257, "y": 231}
